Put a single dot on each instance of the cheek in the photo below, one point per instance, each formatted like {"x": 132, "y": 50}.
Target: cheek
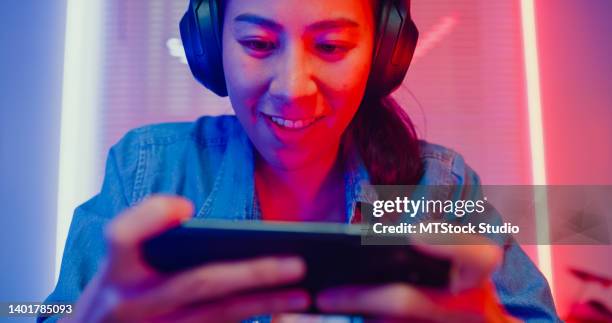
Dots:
{"x": 344, "y": 93}
{"x": 245, "y": 78}
{"x": 350, "y": 74}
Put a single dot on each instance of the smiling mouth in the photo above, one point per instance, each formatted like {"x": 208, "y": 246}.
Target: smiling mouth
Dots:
{"x": 294, "y": 124}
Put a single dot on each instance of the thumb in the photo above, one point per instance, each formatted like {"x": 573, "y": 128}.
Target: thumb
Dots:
{"x": 474, "y": 258}
{"x": 127, "y": 231}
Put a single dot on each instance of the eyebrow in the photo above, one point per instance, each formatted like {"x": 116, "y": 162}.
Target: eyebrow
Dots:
{"x": 333, "y": 24}
{"x": 317, "y": 26}
{"x": 258, "y": 20}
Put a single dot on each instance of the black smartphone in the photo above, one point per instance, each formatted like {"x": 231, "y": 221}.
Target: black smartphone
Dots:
{"x": 333, "y": 252}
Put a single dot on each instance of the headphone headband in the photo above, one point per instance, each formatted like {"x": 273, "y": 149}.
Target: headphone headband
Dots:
{"x": 394, "y": 46}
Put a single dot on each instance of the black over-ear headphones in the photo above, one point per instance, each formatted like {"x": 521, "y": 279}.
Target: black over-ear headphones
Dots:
{"x": 395, "y": 43}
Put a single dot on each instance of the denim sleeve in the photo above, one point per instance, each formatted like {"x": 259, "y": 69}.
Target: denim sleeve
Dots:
{"x": 85, "y": 246}
{"x": 521, "y": 287}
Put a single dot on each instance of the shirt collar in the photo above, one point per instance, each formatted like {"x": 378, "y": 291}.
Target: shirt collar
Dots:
{"x": 233, "y": 192}
{"x": 358, "y": 188}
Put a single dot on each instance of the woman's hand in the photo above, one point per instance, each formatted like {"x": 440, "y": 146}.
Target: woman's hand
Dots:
{"x": 125, "y": 289}
{"x": 470, "y": 298}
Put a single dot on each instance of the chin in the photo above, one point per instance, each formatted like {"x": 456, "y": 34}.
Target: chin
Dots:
{"x": 288, "y": 159}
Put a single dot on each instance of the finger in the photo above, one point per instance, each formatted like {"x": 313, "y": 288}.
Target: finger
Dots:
{"x": 215, "y": 281}
{"x": 395, "y": 320}
{"x": 125, "y": 233}
{"x": 92, "y": 305}
{"x": 396, "y": 301}
{"x": 384, "y": 301}
{"x": 474, "y": 259}
{"x": 237, "y": 308}
{"x": 151, "y": 217}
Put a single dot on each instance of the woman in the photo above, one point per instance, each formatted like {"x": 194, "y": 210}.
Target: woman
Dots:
{"x": 311, "y": 128}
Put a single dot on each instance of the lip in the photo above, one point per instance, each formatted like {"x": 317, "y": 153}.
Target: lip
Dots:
{"x": 285, "y": 134}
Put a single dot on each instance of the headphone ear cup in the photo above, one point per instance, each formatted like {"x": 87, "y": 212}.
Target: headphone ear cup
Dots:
{"x": 200, "y": 34}
{"x": 395, "y": 45}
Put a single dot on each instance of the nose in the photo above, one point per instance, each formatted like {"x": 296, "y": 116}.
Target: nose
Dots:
{"x": 293, "y": 81}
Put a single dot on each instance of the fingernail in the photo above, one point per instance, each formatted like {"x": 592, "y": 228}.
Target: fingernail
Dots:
{"x": 291, "y": 266}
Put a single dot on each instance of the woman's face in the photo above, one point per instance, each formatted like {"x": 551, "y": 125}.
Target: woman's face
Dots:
{"x": 296, "y": 72}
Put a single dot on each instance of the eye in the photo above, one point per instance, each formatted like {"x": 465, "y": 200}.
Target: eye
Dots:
{"x": 333, "y": 49}
{"x": 258, "y": 45}
{"x": 328, "y": 48}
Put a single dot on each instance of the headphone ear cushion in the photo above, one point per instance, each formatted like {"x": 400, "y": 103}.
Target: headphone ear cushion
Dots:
{"x": 395, "y": 45}
{"x": 199, "y": 30}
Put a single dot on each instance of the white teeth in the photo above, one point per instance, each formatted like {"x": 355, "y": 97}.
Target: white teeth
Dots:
{"x": 293, "y": 124}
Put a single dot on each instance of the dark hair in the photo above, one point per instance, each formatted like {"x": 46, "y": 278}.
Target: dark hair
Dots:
{"x": 386, "y": 140}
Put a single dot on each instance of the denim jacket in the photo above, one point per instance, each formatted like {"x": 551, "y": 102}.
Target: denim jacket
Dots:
{"x": 210, "y": 161}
